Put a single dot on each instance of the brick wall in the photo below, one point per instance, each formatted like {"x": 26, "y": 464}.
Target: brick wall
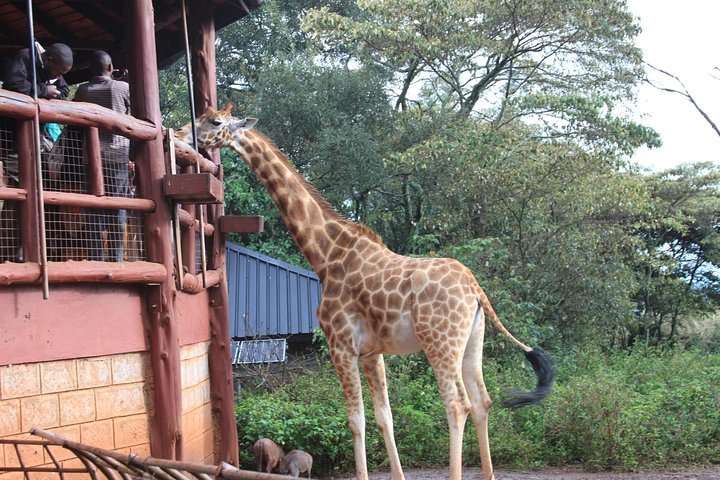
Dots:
{"x": 100, "y": 401}
{"x": 196, "y": 409}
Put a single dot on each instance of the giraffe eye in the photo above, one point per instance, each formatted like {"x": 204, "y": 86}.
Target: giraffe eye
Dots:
{"x": 217, "y": 123}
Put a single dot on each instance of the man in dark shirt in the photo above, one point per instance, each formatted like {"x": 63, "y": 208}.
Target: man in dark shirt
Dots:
{"x": 51, "y": 64}
{"x": 103, "y": 90}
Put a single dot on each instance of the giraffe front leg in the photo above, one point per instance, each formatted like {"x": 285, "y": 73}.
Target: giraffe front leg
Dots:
{"x": 347, "y": 370}
{"x": 374, "y": 370}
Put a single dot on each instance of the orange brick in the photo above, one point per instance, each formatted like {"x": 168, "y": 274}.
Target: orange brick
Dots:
{"x": 191, "y": 425}
{"x": 58, "y": 376}
{"x": 193, "y": 450}
{"x": 191, "y": 399}
{"x": 20, "y": 380}
{"x": 94, "y": 372}
{"x": 143, "y": 449}
{"x": 77, "y": 407}
{"x": 194, "y": 350}
{"x": 208, "y": 443}
{"x": 71, "y": 433}
{"x": 133, "y": 430}
{"x": 98, "y": 434}
{"x": 41, "y": 412}
{"x": 128, "y": 368}
{"x": 119, "y": 400}
{"x": 206, "y": 418}
{"x": 2, "y": 457}
{"x": 10, "y": 417}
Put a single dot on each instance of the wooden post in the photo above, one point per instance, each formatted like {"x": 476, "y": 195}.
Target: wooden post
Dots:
{"x": 95, "y": 171}
{"x": 202, "y": 31}
{"x": 29, "y": 209}
{"x": 166, "y": 428}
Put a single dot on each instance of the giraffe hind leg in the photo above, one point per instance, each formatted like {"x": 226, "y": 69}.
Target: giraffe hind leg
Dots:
{"x": 447, "y": 366}
{"x": 475, "y": 385}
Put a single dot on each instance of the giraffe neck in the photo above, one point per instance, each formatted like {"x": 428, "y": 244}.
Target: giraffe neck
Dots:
{"x": 320, "y": 232}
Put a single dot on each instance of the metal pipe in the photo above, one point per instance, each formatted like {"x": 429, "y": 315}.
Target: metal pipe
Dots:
{"x": 191, "y": 95}
{"x": 38, "y": 160}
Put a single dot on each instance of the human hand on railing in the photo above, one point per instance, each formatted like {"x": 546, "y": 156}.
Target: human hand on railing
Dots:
{"x": 51, "y": 91}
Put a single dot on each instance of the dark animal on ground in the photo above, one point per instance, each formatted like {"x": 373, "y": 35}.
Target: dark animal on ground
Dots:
{"x": 297, "y": 462}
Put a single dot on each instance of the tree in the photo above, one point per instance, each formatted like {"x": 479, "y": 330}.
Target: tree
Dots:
{"x": 677, "y": 263}
{"x": 484, "y": 57}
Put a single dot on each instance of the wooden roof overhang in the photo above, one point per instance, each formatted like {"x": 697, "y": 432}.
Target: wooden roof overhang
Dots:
{"x": 89, "y": 25}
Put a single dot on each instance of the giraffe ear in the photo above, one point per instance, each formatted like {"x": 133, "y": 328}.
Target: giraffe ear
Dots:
{"x": 228, "y": 107}
{"x": 247, "y": 123}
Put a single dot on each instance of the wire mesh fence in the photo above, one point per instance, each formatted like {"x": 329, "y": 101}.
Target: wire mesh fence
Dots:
{"x": 72, "y": 232}
{"x": 9, "y": 223}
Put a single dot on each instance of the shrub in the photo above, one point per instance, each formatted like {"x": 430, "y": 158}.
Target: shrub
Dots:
{"x": 639, "y": 410}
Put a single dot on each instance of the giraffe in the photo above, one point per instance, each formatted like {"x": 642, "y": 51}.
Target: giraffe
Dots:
{"x": 376, "y": 302}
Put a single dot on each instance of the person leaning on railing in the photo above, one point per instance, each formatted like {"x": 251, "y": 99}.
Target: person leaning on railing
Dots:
{"x": 51, "y": 64}
{"x": 104, "y": 90}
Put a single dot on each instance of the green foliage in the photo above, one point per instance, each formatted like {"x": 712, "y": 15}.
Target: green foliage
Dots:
{"x": 646, "y": 409}
{"x": 643, "y": 410}
{"x": 513, "y": 155}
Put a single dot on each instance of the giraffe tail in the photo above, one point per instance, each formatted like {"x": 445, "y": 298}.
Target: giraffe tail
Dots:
{"x": 539, "y": 359}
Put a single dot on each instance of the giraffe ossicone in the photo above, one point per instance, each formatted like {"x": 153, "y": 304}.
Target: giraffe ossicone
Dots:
{"x": 376, "y": 302}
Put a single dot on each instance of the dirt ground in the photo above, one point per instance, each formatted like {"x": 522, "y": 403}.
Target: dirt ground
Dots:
{"x": 555, "y": 474}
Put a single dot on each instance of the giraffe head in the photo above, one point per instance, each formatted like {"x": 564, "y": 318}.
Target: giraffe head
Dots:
{"x": 216, "y": 128}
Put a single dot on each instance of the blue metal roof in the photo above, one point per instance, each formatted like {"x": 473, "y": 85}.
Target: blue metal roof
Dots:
{"x": 269, "y": 297}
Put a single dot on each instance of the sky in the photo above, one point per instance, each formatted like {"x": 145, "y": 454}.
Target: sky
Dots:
{"x": 682, "y": 38}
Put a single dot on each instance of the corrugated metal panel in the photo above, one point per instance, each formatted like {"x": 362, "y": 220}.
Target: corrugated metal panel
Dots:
{"x": 269, "y": 297}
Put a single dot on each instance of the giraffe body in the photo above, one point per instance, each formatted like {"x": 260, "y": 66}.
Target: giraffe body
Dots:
{"x": 376, "y": 302}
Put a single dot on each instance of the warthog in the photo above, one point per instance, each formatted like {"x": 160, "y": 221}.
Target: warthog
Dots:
{"x": 297, "y": 462}
{"x": 269, "y": 457}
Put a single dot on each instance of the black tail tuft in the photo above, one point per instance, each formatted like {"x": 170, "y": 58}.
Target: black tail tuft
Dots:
{"x": 543, "y": 365}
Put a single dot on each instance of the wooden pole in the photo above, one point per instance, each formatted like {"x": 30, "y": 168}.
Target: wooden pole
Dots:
{"x": 166, "y": 426}
{"x": 95, "y": 171}
{"x": 202, "y": 28}
{"x": 29, "y": 209}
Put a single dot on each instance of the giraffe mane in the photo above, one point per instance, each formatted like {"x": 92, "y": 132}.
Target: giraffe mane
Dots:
{"x": 324, "y": 205}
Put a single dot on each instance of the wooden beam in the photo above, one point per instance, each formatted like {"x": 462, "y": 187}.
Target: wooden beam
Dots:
{"x": 57, "y": 30}
{"x": 187, "y": 157}
{"x": 111, "y": 203}
{"x": 16, "y": 105}
{"x": 21, "y": 106}
{"x": 194, "y": 284}
{"x": 100, "y": 17}
{"x": 84, "y": 271}
{"x": 91, "y": 115}
{"x": 188, "y": 222}
{"x": 242, "y": 223}
{"x": 194, "y": 188}
{"x": 16, "y": 194}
